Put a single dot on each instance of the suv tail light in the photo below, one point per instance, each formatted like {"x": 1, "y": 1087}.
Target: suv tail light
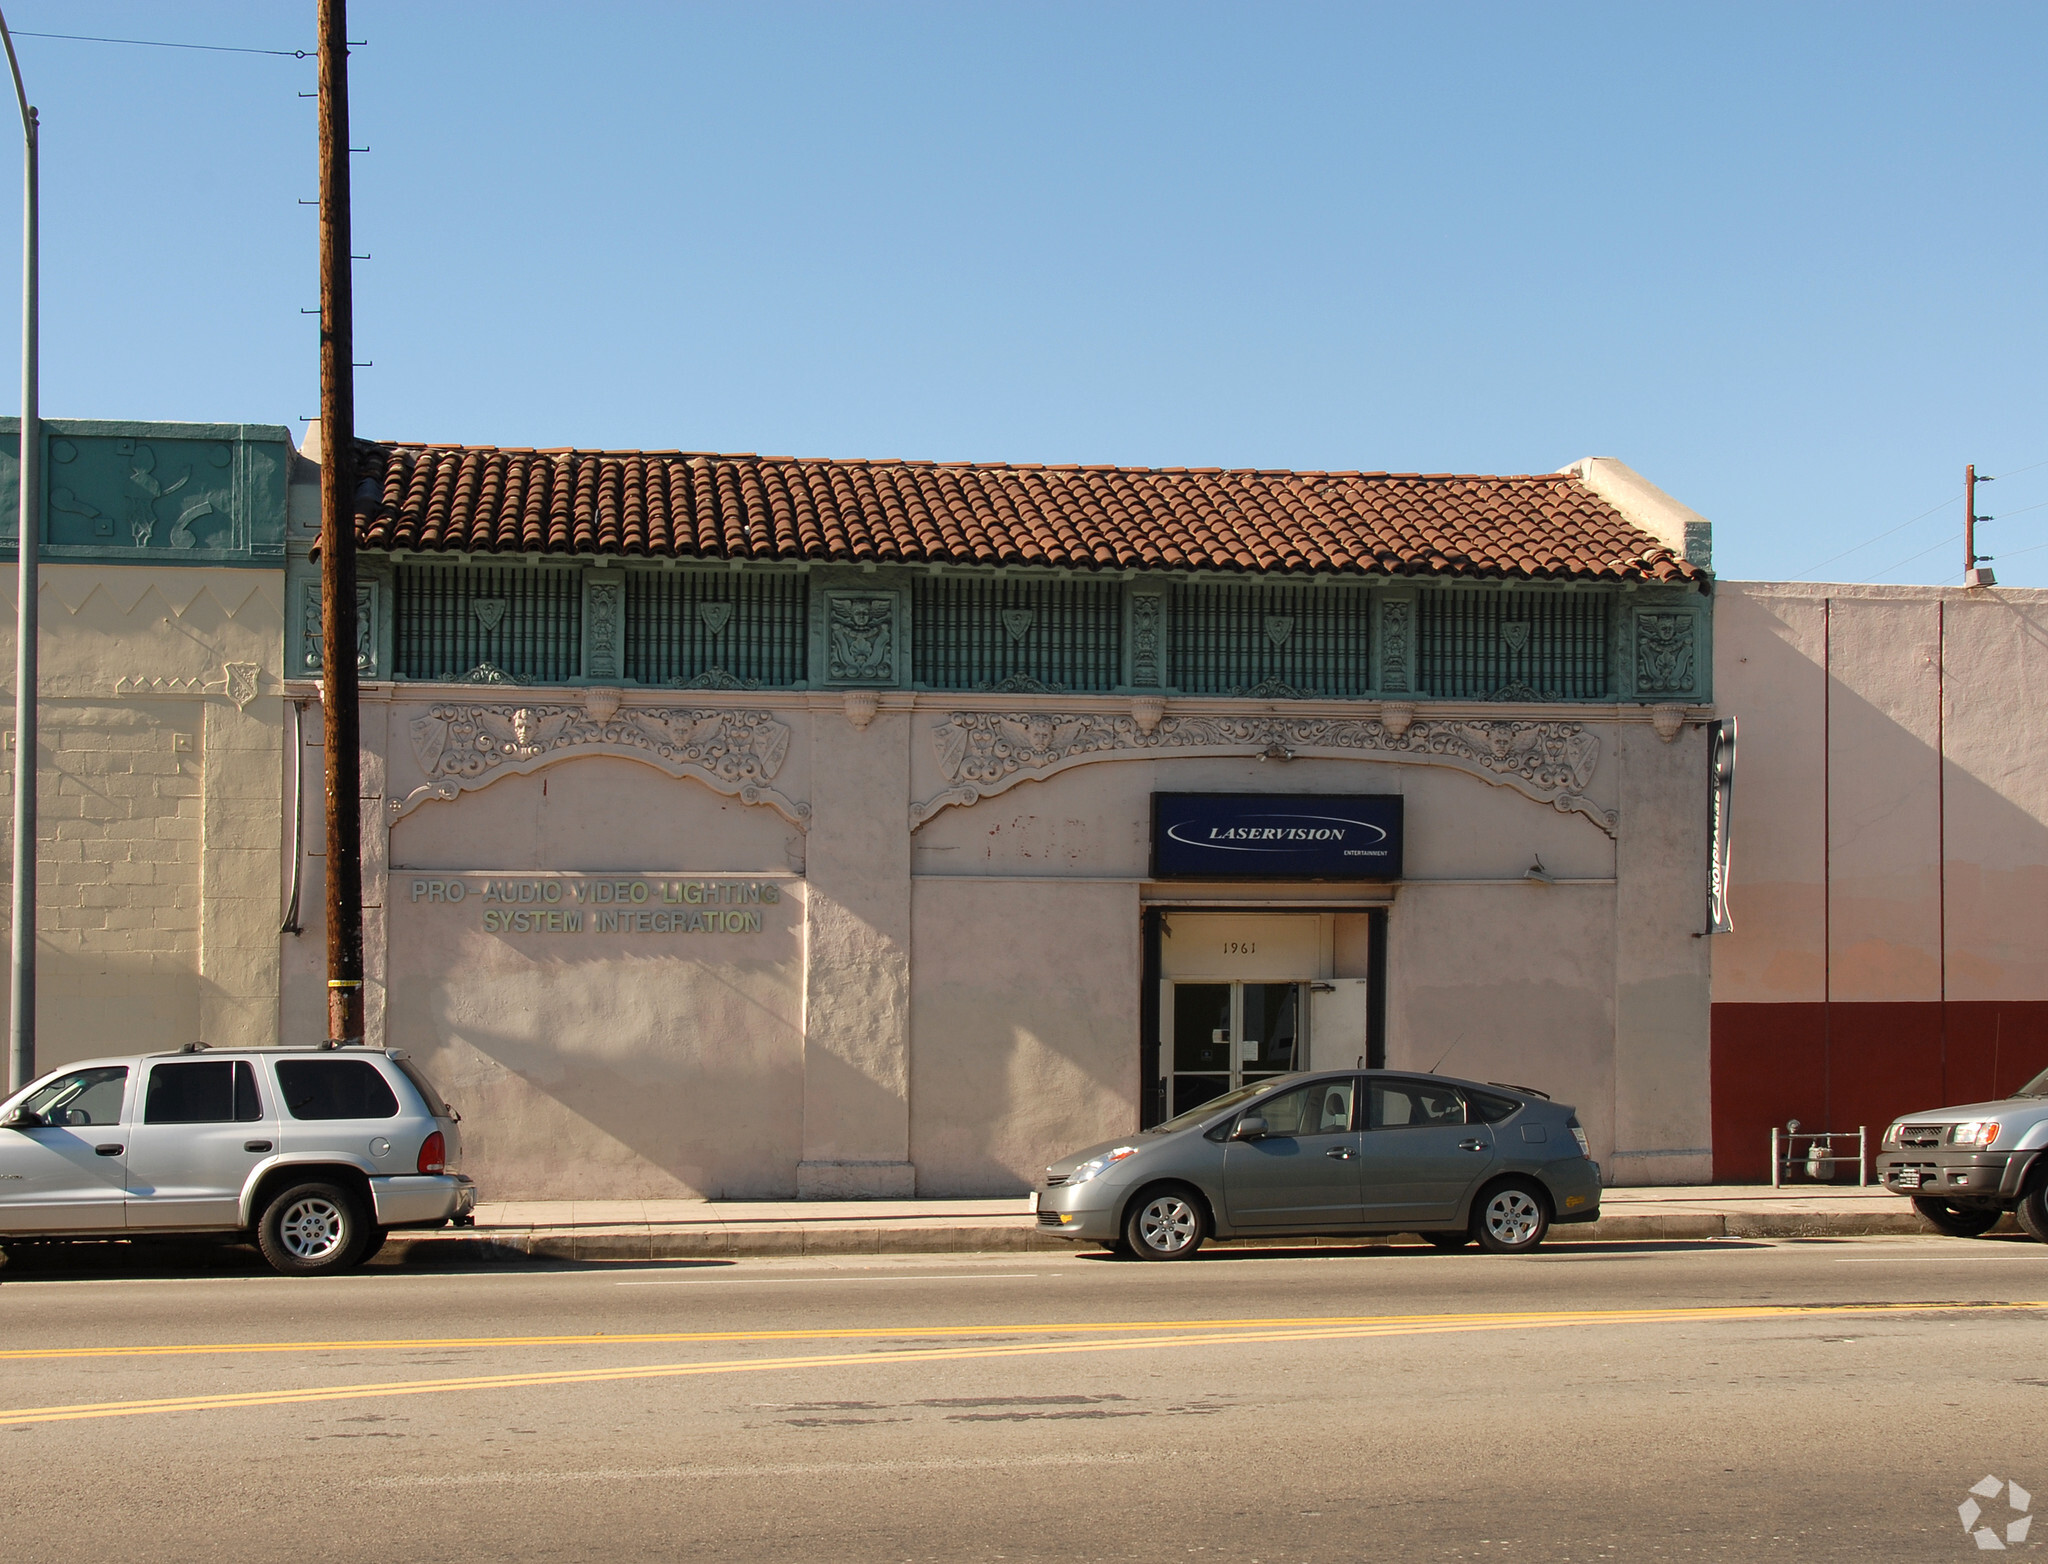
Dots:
{"x": 433, "y": 1153}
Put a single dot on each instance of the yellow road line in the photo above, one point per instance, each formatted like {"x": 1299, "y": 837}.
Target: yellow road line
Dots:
{"x": 886, "y": 1332}
{"x": 1395, "y": 1325}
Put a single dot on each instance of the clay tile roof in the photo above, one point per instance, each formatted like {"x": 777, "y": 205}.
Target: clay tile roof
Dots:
{"x": 676, "y": 504}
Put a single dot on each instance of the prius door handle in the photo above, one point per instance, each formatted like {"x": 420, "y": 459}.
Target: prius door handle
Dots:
{"x": 1341, "y": 1153}
{"x": 111, "y": 1149}
{"x": 1471, "y": 1145}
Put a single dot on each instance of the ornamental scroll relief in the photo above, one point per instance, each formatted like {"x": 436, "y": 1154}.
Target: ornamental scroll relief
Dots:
{"x": 463, "y": 746}
{"x": 986, "y": 753}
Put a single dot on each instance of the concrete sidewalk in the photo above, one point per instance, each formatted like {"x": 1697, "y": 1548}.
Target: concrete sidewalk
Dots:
{"x": 732, "y": 1229}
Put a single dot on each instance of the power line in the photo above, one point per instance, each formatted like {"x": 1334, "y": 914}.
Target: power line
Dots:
{"x": 155, "y": 43}
{"x": 1944, "y": 543}
{"x": 1901, "y": 527}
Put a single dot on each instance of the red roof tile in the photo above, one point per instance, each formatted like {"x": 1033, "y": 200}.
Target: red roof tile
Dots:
{"x": 673, "y": 504}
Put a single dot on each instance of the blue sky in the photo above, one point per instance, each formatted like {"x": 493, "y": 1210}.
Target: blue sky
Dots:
{"x": 1784, "y": 260}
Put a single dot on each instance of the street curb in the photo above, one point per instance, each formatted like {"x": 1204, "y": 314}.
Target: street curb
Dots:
{"x": 458, "y": 1245}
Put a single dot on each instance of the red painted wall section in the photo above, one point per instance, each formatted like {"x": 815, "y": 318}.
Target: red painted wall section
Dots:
{"x": 1833, "y": 1067}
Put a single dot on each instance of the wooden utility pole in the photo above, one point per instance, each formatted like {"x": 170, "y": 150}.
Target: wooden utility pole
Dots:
{"x": 338, "y": 632}
{"x": 1972, "y": 575}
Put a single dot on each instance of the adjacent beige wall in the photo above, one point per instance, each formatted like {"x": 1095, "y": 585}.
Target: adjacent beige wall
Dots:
{"x": 161, "y": 802}
{"x": 1848, "y": 697}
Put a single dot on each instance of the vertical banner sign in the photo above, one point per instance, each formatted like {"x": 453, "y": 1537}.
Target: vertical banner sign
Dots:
{"x": 1721, "y": 785}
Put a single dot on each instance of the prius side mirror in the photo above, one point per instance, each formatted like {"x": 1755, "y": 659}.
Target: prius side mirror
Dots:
{"x": 23, "y": 1119}
{"x": 1250, "y": 1127}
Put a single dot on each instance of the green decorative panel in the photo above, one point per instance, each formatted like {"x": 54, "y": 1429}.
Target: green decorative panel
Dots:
{"x": 1269, "y": 640}
{"x": 1397, "y": 643}
{"x": 1146, "y": 630}
{"x": 1663, "y": 654}
{"x": 155, "y": 493}
{"x": 310, "y": 651}
{"x": 864, "y": 635}
{"x": 700, "y": 629}
{"x": 488, "y": 623}
{"x": 1012, "y": 633}
{"x": 1512, "y": 645}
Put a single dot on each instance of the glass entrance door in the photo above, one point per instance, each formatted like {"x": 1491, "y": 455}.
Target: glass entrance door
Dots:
{"x": 1225, "y": 1035}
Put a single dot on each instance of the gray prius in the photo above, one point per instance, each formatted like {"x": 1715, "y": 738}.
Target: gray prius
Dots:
{"x": 1334, "y": 1153}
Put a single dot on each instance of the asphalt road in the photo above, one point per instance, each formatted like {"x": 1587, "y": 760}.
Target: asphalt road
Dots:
{"x": 1811, "y": 1401}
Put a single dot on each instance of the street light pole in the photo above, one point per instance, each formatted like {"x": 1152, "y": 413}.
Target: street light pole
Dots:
{"x": 21, "y": 988}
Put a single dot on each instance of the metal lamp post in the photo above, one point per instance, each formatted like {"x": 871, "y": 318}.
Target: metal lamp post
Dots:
{"x": 21, "y": 1064}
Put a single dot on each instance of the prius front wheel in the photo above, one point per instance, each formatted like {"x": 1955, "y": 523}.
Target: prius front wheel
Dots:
{"x": 1165, "y": 1224}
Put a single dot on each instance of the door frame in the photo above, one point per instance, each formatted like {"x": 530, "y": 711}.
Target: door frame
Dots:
{"x": 1152, "y": 1081}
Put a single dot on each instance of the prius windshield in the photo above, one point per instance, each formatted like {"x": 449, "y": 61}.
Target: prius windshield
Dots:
{"x": 1209, "y": 1109}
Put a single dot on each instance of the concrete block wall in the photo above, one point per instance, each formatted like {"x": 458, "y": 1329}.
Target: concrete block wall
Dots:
{"x": 160, "y": 842}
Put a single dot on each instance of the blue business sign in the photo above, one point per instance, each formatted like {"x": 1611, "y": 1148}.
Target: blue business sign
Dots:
{"x": 1268, "y": 836}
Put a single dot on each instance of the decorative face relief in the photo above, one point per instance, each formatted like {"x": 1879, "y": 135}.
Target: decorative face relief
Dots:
{"x": 986, "y": 752}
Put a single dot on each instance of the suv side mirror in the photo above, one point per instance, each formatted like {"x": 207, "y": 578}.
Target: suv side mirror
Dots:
{"x": 1250, "y": 1127}
{"x": 23, "y": 1119}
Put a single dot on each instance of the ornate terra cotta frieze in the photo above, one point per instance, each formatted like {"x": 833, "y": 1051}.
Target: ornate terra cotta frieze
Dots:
{"x": 1664, "y": 651}
{"x": 985, "y": 753}
{"x": 860, "y": 645}
{"x": 462, "y": 746}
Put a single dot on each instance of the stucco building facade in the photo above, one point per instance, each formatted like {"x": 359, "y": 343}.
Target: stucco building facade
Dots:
{"x": 738, "y": 826}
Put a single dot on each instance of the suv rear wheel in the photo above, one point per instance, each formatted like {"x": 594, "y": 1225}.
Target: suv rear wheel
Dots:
{"x": 313, "y": 1229}
{"x": 1958, "y": 1221}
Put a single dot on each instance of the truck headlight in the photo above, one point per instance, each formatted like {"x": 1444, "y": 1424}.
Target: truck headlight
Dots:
{"x": 1891, "y": 1138}
{"x": 1978, "y": 1132}
{"x": 1095, "y": 1165}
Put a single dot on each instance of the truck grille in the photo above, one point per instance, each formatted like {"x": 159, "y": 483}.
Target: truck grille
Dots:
{"x": 1922, "y": 1134}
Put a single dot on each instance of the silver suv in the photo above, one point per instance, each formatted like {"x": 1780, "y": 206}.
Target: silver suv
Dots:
{"x": 1964, "y": 1168}
{"x": 315, "y": 1152}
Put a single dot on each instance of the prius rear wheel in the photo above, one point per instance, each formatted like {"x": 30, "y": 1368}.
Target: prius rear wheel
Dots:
{"x": 1511, "y": 1218}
